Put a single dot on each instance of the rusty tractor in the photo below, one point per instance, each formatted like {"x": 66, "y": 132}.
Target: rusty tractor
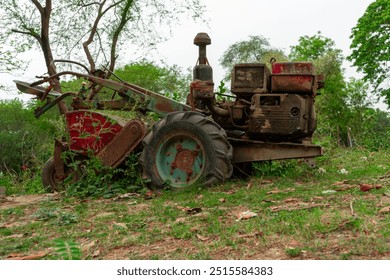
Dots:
{"x": 270, "y": 117}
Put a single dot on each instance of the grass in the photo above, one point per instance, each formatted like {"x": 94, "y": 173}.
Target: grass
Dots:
{"x": 297, "y": 217}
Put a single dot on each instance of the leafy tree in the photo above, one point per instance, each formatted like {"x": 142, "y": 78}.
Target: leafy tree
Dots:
{"x": 66, "y": 29}
{"x": 357, "y": 111}
{"x": 376, "y": 130}
{"x": 371, "y": 46}
{"x": 256, "y": 49}
{"x": 368, "y": 127}
{"x": 357, "y": 91}
{"x": 167, "y": 80}
{"x": 331, "y": 106}
{"x": 170, "y": 81}
{"x": 310, "y": 48}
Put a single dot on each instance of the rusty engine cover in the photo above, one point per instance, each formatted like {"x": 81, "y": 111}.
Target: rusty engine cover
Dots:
{"x": 282, "y": 103}
{"x": 281, "y": 117}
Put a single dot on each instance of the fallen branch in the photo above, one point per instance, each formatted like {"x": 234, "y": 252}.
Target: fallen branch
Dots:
{"x": 36, "y": 256}
{"x": 277, "y": 191}
{"x": 351, "y": 207}
{"x": 297, "y": 207}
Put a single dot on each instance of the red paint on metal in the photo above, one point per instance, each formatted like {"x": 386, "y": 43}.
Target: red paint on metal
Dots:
{"x": 90, "y": 131}
{"x": 292, "y": 77}
{"x": 292, "y": 83}
{"x": 303, "y": 68}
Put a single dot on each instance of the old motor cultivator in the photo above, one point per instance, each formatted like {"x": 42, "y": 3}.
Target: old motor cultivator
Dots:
{"x": 271, "y": 117}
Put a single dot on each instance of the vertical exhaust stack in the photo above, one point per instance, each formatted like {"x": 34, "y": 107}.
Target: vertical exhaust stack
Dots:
{"x": 202, "y": 85}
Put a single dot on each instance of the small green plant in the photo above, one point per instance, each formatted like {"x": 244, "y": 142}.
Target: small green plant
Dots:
{"x": 45, "y": 214}
{"x": 98, "y": 180}
{"x": 62, "y": 218}
{"x": 67, "y": 249}
{"x": 281, "y": 168}
{"x": 66, "y": 218}
{"x": 222, "y": 87}
{"x": 293, "y": 252}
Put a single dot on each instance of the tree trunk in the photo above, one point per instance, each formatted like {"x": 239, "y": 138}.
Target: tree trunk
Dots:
{"x": 350, "y": 143}
{"x": 47, "y": 52}
{"x": 338, "y": 136}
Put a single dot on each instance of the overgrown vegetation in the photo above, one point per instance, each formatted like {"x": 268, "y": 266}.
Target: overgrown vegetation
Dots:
{"x": 25, "y": 144}
{"x": 338, "y": 211}
{"x": 102, "y": 181}
{"x": 25, "y": 141}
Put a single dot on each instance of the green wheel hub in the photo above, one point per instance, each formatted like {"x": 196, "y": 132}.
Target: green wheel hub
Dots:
{"x": 180, "y": 159}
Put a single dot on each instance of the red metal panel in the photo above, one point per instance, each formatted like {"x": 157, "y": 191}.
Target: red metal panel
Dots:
{"x": 90, "y": 131}
{"x": 292, "y": 77}
{"x": 292, "y": 83}
{"x": 293, "y": 68}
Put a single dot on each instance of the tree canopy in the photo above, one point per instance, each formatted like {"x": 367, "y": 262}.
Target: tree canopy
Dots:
{"x": 101, "y": 30}
{"x": 93, "y": 32}
{"x": 167, "y": 80}
{"x": 371, "y": 46}
{"x": 255, "y": 49}
{"x": 331, "y": 106}
{"x": 310, "y": 48}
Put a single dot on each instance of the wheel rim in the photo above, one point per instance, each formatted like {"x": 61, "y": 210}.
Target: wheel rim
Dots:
{"x": 180, "y": 159}
{"x": 55, "y": 182}
{"x": 51, "y": 182}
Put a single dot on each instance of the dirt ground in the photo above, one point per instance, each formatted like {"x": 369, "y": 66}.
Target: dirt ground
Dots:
{"x": 252, "y": 246}
{"x": 15, "y": 201}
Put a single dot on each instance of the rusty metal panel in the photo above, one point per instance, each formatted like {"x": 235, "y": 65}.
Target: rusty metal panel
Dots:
{"x": 249, "y": 78}
{"x": 123, "y": 144}
{"x": 202, "y": 89}
{"x": 293, "y": 68}
{"x": 248, "y": 151}
{"x": 292, "y": 83}
{"x": 293, "y": 77}
{"x": 35, "y": 90}
{"x": 281, "y": 117}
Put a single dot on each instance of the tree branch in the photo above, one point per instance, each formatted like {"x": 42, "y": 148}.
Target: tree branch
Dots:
{"x": 30, "y": 32}
{"x": 117, "y": 32}
{"x": 38, "y": 5}
{"x": 92, "y": 34}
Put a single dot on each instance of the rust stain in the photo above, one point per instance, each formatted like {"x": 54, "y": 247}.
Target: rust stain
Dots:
{"x": 185, "y": 160}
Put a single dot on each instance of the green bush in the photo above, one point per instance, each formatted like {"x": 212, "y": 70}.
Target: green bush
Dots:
{"x": 98, "y": 180}
{"x": 25, "y": 142}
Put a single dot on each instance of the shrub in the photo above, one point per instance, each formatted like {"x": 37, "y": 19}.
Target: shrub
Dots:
{"x": 25, "y": 142}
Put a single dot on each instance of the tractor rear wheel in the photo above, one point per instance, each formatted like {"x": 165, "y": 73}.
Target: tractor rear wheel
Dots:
{"x": 49, "y": 179}
{"x": 184, "y": 149}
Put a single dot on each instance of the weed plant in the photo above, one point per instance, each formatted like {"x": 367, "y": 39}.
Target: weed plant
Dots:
{"x": 98, "y": 180}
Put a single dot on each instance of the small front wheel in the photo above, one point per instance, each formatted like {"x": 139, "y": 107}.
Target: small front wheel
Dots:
{"x": 50, "y": 181}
